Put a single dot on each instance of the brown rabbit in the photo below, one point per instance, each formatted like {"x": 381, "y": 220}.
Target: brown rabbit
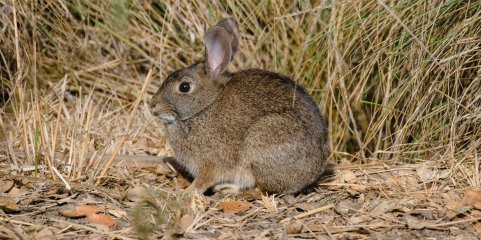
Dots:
{"x": 245, "y": 129}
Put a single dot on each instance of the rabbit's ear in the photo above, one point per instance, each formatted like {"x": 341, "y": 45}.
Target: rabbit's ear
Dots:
{"x": 221, "y": 43}
{"x": 232, "y": 28}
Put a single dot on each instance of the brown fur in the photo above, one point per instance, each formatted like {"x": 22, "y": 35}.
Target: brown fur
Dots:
{"x": 249, "y": 128}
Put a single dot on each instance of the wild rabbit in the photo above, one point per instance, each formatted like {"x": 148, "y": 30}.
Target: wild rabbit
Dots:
{"x": 249, "y": 128}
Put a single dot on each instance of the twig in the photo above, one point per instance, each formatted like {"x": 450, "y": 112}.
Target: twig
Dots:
{"x": 67, "y": 185}
{"x": 138, "y": 161}
{"x": 327, "y": 231}
{"x": 17, "y": 222}
{"x": 91, "y": 229}
{"x": 475, "y": 219}
{"x": 338, "y": 229}
{"x": 125, "y": 136}
{"x": 308, "y": 213}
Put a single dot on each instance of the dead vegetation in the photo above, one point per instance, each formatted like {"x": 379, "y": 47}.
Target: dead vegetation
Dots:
{"x": 399, "y": 82}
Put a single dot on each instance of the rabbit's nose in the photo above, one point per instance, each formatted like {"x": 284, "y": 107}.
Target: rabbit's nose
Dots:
{"x": 162, "y": 112}
{"x": 155, "y": 108}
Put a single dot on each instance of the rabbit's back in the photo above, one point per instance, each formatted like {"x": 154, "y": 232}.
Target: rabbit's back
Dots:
{"x": 253, "y": 94}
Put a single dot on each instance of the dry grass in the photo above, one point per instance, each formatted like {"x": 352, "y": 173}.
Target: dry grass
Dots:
{"x": 399, "y": 81}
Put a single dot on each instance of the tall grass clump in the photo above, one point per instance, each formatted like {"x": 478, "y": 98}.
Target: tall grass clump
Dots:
{"x": 396, "y": 80}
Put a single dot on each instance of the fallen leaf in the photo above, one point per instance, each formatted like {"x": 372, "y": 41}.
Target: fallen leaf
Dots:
{"x": 118, "y": 213}
{"x": 101, "y": 219}
{"x": 406, "y": 183}
{"x": 45, "y": 234}
{"x": 86, "y": 209}
{"x": 136, "y": 194}
{"x": 357, "y": 188}
{"x": 5, "y": 185}
{"x": 58, "y": 196}
{"x": 295, "y": 227}
{"x": 476, "y": 213}
{"x": 383, "y": 207}
{"x": 6, "y": 233}
{"x": 425, "y": 173}
{"x": 90, "y": 199}
{"x": 358, "y": 219}
{"x": 163, "y": 169}
{"x": 306, "y": 206}
{"x": 252, "y": 194}
{"x": 477, "y": 227}
{"x": 45, "y": 238}
{"x": 234, "y": 206}
{"x": 347, "y": 176}
{"x": 472, "y": 197}
{"x": 345, "y": 206}
{"x": 53, "y": 191}
{"x": 78, "y": 211}
{"x": 414, "y": 223}
{"x": 15, "y": 192}
{"x": 425, "y": 213}
{"x": 33, "y": 228}
{"x": 9, "y": 205}
{"x": 186, "y": 221}
{"x": 182, "y": 182}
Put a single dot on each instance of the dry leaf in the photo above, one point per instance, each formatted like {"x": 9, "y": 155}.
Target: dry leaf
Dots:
{"x": 118, "y": 213}
{"x": 345, "y": 206}
{"x": 9, "y": 205}
{"x": 78, "y": 211}
{"x": 234, "y": 206}
{"x": 5, "y": 185}
{"x": 407, "y": 182}
{"x": 186, "y": 221}
{"x": 357, "y": 188}
{"x": 163, "y": 169}
{"x": 476, "y": 213}
{"x": 358, "y": 219}
{"x": 414, "y": 223}
{"x": 382, "y": 208}
{"x": 45, "y": 238}
{"x": 472, "y": 197}
{"x": 15, "y": 192}
{"x": 90, "y": 199}
{"x": 306, "y": 206}
{"x": 347, "y": 176}
{"x": 477, "y": 227}
{"x": 136, "y": 194}
{"x": 425, "y": 173}
{"x": 86, "y": 209}
{"x": 58, "y": 196}
{"x": 182, "y": 182}
{"x": 71, "y": 213}
{"x": 425, "y": 213}
{"x": 101, "y": 219}
{"x": 45, "y": 234}
{"x": 294, "y": 228}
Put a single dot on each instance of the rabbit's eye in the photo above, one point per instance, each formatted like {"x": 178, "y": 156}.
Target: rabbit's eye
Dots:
{"x": 184, "y": 87}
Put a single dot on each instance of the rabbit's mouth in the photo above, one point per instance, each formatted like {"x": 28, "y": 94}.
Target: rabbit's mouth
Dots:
{"x": 165, "y": 116}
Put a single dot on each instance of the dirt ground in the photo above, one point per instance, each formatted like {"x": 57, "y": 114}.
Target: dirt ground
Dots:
{"x": 380, "y": 200}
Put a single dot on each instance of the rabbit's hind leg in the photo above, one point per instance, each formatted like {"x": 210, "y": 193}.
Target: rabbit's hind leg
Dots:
{"x": 227, "y": 188}
{"x": 233, "y": 183}
{"x": 283, "y": 156}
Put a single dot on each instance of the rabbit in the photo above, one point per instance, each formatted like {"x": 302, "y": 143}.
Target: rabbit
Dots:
{"x": 248, "y": 129}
